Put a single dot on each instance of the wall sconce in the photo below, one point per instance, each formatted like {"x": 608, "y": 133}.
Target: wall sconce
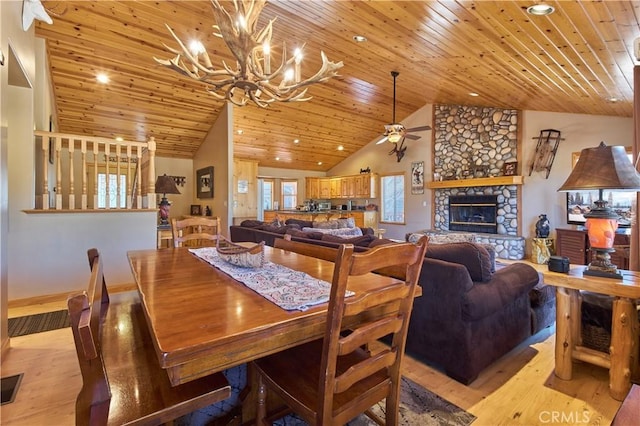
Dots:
{"x": 179, "y": 180}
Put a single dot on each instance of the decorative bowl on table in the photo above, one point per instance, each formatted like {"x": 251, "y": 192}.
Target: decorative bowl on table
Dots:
{"x": 240, "y": 255}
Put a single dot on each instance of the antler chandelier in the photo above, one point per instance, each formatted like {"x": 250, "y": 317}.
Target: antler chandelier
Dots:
{"x": 253, "y": 78}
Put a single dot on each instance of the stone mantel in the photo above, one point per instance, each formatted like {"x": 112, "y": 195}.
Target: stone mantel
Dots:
{"x": 476, "y": 182}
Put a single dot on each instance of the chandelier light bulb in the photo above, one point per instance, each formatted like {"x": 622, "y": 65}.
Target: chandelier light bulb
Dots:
{"x": 253, "y": 79}
{"x": 196, "y": 47}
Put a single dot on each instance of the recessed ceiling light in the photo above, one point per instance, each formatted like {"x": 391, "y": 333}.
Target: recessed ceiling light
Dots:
{"x": 613, "y": 99}
{"x": 119, "y": 138}
{"x": 540, "y": 10}
{"x": 340, "y": 148}
{"x": 319, "y": 163}
{"x": 277, "y": 158}
{"x": 239, "y": 131}
{"x": 102, "y": 78}
{"x": 296, "y": 141}
{"x": 359, "y": 38}
{"x": 473, "y": 94}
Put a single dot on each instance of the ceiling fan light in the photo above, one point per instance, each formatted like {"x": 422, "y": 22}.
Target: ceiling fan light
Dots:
{"x": 394, "y": 137}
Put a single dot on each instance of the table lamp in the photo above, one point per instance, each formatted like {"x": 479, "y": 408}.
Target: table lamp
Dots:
{"x": 165, "y": 185}
{"x": 603, "y": 167}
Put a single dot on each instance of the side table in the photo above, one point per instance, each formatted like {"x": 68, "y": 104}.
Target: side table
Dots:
{"x": 623, "y": 360}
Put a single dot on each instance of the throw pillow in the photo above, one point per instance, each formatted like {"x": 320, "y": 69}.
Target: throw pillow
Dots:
{"x": 299, "y": 222}
{"x": 329, "y": 224}
{"x": 473, "y": 256}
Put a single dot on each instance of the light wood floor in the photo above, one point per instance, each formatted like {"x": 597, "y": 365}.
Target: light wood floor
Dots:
{"x": 519, "y": 389}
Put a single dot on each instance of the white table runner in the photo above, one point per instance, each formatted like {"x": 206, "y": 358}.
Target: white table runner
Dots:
{"x": 291, "y": 290}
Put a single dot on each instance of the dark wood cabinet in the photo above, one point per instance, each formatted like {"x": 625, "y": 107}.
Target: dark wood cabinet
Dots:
{"x": 574, "y": 244}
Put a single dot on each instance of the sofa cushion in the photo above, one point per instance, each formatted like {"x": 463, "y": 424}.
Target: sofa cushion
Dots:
{"x": 302, "y": 234}
{"x": 327, "y": 224}
{"x": 362, "y": 241}
{"x": 473, "y": 256}
{"x": 507, "y": 285}
{"x": 381, "y": 242}
{"x": 249, "y": 223}
{"x": 299, "y": 222}
{"x": 343, "y": 232}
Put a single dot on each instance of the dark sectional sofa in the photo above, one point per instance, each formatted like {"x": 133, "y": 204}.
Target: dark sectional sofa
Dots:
{"x": 471, "y": 311}
{"x": 255, "y": 231}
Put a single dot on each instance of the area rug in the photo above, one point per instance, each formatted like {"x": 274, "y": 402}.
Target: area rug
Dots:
{"x": 38, "y": 323}
{"x": 418, "y": 406}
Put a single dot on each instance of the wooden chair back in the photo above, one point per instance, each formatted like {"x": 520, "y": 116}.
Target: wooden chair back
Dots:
{"x": 118, "y": 362}
{"x": 311, "y": 250}
{"x": 385, "y": 312}
{"x": 195, "y": 231}
{"x": 333, "y": 380}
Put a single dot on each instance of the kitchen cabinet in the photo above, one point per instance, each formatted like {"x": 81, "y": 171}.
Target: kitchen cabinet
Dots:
{"x": 574, "y": 244}
{"x": 349, "y": 187}
{"x": 325, "y": 188}
{"x": 312, "y": 188}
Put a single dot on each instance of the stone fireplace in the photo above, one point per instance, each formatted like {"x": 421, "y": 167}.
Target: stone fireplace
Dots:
{"x": 472, "y": 146}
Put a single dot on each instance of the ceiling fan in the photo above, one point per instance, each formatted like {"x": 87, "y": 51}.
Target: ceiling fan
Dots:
{"x": 396, "y": 132}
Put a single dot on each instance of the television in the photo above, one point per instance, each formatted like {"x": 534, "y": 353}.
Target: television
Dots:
{"x": 581, "y": 202}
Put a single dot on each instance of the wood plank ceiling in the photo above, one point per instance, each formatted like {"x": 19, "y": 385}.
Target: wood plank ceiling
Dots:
{"x": 575, "y": 60}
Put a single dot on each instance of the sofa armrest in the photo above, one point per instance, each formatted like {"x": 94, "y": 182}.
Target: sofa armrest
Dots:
{"x": 506, "y": 285}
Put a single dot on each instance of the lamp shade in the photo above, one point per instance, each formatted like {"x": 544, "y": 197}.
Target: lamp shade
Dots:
{"x": 603, "y": 167}
{"x": 166, "y": 185}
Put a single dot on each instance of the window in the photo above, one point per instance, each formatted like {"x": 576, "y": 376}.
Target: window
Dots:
{"x": 113, "y": 190}
{"x": 392, "y": 196}
{"x": 289, "y": 194}
{"x": 267, "y": 194}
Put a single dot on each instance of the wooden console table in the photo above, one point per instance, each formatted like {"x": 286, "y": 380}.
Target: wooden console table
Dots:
{"x": 622, "y": 361}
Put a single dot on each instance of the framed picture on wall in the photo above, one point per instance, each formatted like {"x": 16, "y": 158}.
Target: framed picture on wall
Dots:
{"x": 417, "y": 177}
{"x": 204, "y": 182}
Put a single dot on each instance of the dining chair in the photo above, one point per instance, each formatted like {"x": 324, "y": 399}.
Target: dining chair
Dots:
{"x": 195, "y": 231}
{"x": 332, "y": 380}
{"x": 122, "y": 380}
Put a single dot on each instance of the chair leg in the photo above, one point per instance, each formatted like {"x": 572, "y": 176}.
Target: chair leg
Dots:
{"x": 392, "y": 405}
{"x": 261, "y": 412}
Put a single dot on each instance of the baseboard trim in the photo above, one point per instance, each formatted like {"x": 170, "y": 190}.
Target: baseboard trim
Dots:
{"x": 61, "y": 297}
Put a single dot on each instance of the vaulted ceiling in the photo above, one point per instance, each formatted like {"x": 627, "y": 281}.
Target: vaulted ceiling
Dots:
{"x": 578, "y": 60}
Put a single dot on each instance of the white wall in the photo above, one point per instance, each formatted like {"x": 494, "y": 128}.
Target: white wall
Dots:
{"x": 217, "y": 151}
{"x": 418, "y": 207}
{"x": 579, "y": 131}
{"x": 46, "y": 253}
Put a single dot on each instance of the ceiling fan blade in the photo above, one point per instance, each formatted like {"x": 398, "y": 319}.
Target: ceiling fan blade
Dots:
{"x": 419, "y": 129}
{"x": 383, "y": 139}
{"x": 412, "y": 137}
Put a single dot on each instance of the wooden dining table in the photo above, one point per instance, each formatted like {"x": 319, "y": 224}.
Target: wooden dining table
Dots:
{"x": 203, "y": 321}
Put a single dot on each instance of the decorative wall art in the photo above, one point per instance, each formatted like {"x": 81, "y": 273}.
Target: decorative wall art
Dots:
{"x": 204, "y": 182}
{"x": 510, "y": 168}
{"x": 417, "y": 177}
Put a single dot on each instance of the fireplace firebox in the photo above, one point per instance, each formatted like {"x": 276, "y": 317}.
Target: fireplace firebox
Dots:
{"x": 473, "y": 213}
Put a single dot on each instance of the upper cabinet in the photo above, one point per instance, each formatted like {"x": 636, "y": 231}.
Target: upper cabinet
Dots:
{"x": 356, "y": 186}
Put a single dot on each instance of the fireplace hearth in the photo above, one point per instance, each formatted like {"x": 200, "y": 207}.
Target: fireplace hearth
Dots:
{"x": 473, "y": 213}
